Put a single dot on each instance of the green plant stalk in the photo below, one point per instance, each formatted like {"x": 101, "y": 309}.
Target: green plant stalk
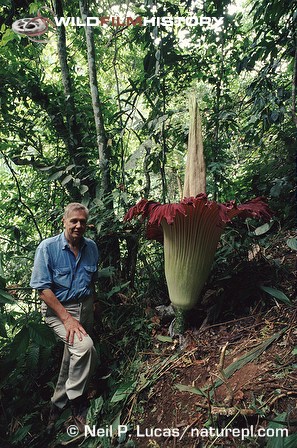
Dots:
{"x": 180, "y": 322}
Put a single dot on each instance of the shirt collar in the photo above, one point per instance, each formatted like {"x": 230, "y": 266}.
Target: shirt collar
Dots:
{"x": 66, "y": 245}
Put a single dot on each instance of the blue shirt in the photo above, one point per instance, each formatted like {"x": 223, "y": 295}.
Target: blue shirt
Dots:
{"x": 57, "y": 268}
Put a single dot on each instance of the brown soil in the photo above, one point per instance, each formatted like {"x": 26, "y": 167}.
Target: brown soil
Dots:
{"x": 183, "y": 391}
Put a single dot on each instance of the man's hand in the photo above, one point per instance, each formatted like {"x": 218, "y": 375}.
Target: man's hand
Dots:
{"x": 73, "y": 327}
{"x": 71, "y": 324}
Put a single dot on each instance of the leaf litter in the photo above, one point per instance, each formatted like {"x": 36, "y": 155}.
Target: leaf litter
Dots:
{"x": 240, "y": 373}
{"x": 255, "y": 381}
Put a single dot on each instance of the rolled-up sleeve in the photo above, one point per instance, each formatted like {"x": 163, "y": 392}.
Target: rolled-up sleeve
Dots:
{"x": 41, "y": 277}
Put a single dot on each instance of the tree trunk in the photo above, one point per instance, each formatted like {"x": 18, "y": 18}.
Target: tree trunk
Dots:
{"x": 74, "y": 140}
{"x": 103, "y": 149}
{"x": 294, "y": 88}
{"x": 109, "y": 245}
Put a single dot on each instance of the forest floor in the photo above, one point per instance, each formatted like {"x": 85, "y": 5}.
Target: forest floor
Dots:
{"x": 243, "y": 370}
{"x": 231, "y": 377}
{"x": 238, "y": 374}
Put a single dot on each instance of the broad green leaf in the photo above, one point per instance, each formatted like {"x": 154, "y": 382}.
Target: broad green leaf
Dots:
{"x": 290, "y": 441}
{"x": 33, "y": 8}
{"x": 66, "y": 179}
{"x": 294, "y": 351}
{"x": 69, "y": 167}
{"x": 116, "y": 423}
{"x": 7, "y": 36}
{"x": 95, "y": 409}
{"x": 162, "y": 338}
{"x": 19, "y": 344}
{"x": 56, "y": 175}
{"x": 32, "y": 357}
{"x": 5, "y": 297}
{"x": 278, "y": 441}
{"x": 138, "y": 154}
{"x": 106, "y": 272}
{"x": 46, "y": 168}
{"x": 123, "y": 392}
{"x": 263, "y": 229}
{"x": 117, "y": 289}
{"x": 274, "y": 115}
{"x": 83, "y": 189}
{"x": 191, "y": 389}
{"x": 279, "y": 295}
{"x": 41, "y": 334}
{"x": 292, "y": 243}
{"x": 20, "y": 434}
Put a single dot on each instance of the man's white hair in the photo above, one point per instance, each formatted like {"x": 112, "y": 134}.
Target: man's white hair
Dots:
{"x": 75, "y": 206}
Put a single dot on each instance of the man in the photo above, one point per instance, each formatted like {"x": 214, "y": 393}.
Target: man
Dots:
{"x": 64, "y": 271}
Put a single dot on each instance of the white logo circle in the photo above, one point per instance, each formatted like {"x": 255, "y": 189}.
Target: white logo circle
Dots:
{"x": 72, "y": 431}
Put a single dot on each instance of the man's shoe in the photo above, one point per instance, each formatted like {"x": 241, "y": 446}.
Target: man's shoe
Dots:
{"x": 79, "y": 408}
{"x": 54, "y": 414}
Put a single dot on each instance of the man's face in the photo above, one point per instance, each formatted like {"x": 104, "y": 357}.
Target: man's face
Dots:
{"x": 75, "y": 225}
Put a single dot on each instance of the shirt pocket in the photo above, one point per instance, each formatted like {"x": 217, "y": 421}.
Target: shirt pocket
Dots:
{"x": 62, "y": 277}
{"x": 89, "y": 273}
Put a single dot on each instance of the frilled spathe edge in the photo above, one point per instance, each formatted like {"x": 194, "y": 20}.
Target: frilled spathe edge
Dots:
{"x": 156, "y": 212}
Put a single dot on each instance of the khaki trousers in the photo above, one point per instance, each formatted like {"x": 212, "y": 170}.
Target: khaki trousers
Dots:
{"x": 80, "y": 359}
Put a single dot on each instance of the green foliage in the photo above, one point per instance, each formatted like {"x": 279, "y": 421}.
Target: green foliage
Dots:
{"x": 279, "y": 295}
{"x": 292, "y": 243}
{"x": 243, "y": 76}
{"x": 277, "y": 441}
